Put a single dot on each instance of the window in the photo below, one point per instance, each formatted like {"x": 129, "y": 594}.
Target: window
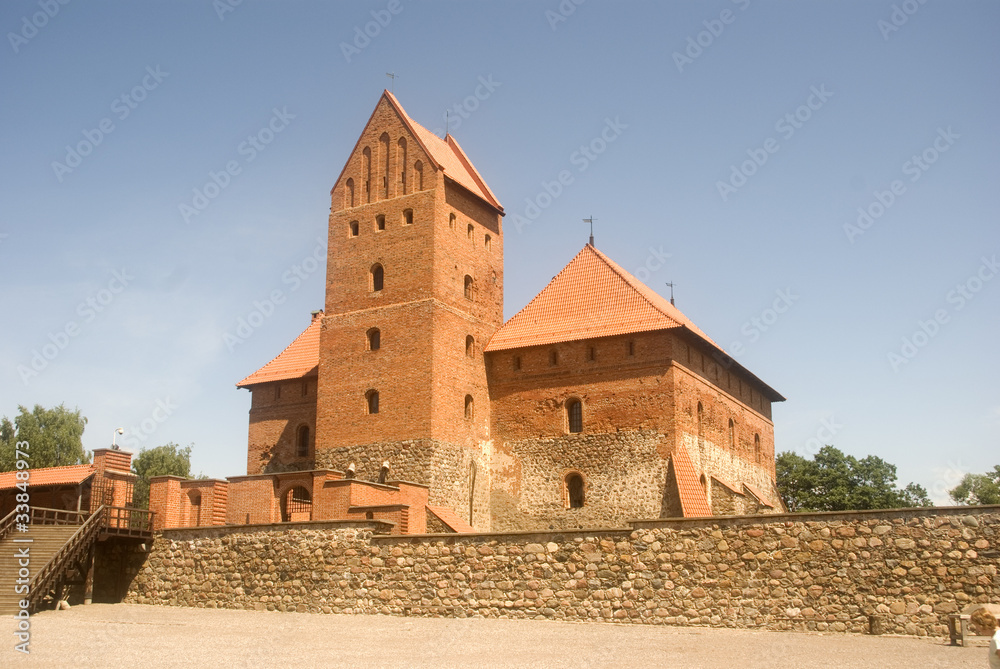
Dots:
{"x": 517, "y": 363}
{"x": 418, "y": 167}
{"x": 468, "y": 287}
{"x": 380, "y": 222}
{"x": 401, "y": 163}
{"x": 355, "y": 228}
{"x": 756, "y": 447}
{"x": 374, "y": 339}
{"x": 574, "y": 491}
{"x": 488, "y": 242}
{"x": 377, "y": 277}
{"x": 302, "y": 442}
{"x": 297, "y": 505}
{"x": 732, "y": 434}
{"x": 407, "y": 217}
{"x": 451, "y": 221}
{"x": 470, "y": 409}
{"x": 553, "y": 358}
{"x": 349, "y": 193}
{"x": 383, "y": 156}
{"x": 574, "y": 413}
{"x": 472, "y": 230}
{"x": 371, "y": 401}
{"x": 366, "y": 172}
{"x": 470, "y": 346}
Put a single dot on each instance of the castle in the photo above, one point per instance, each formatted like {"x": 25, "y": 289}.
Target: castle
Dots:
{"x": 409, "y": 401}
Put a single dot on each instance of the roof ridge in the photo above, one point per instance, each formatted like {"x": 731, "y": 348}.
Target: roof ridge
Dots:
{"x": 637, "y": 286}
{"x": 460, "y": 152}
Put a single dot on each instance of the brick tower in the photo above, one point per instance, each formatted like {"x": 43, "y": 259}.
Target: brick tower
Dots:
{"x": 414, "y": 292}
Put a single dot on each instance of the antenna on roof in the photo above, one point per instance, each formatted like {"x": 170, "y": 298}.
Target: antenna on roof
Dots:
{"x": 671, "y": 284}
{"x": 591, "y": 221}
{"x": 392, "y": 84}
{"x": 447, "y": 122}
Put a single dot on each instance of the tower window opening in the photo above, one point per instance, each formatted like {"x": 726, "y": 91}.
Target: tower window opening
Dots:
{"x": 574, "y": 491}
{"x": 574, "y": 414}
{"x": 374, "y": 339}
{"x": 470, "y": 346}
{"x": 355, "y": 228}
{"x": 488, "y": 243}
{"x": 349, "y": 193}
{"x": 380, "y": 222}
{"x": 468, "y": 287}
{"x": 472, "y": 230}
{"x": 407, "y": 217}
{"x": 451, "y": 221}
{"x": 470, "y": 409}
{"x": 371, "y": 401}
{"x": 377, "y": 277}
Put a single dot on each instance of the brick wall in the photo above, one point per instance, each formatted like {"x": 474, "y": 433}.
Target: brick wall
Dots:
{"x": 902, "y": 571}
{"x": 277, "y": 411}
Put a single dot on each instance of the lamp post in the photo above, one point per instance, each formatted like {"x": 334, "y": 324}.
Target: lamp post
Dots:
{"x": 114, "y": 436}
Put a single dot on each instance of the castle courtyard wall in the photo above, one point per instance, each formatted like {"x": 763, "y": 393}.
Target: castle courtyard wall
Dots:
{"x": 898, "y": 571}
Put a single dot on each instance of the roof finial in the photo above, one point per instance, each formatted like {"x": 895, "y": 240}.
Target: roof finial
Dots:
{"x": 447, "y": 122}
{"x": 591, "y": 221}
{"x": 392, "y": 84}
{"x": 671, "y": 284}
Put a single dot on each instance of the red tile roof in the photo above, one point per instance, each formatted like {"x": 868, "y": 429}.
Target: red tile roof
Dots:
{"x": 594, "y": 297}
{"x": 451, "y": 519}
{"x": 764, "y": 499}
{"x": 299, "y": 359}
{"x": 591, "y": 297}
{"x": 732, "y": 486}
{"x": 68, "y": 475}
{"x": 689, "y": 490}
{"x": 445, "y": 153}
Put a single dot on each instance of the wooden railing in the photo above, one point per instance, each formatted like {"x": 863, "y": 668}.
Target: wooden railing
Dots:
{"x": 7, "y": 524}
{"x": 43, "y": 516}
{"x": 129, "y": 522}
{"x": 72, "y": 550}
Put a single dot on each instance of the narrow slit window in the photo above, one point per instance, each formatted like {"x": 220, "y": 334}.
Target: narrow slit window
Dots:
{"x": 377, "y": 278}
{"x": 380, "y": 222}
{"x": 371, "y": 401}
{"x": 355, "y": 228}
{"x": 374, "y": 339}
{"x": 574, "y": 415}
{"x": 574, "y": 491}
{"x": 468, "y": 287}
{"x": 470, "y": 409}
{"x": 470, "y": 346}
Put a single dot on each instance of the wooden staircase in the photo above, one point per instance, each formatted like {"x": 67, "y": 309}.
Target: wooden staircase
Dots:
{"x": 58, "y": 543}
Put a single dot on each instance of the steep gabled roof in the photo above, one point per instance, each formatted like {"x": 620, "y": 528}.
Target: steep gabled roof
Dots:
{"x": 756, "y": 492}
{"x": 594, "y": 297}
{"x": 445, "y": 153}
{"x": 48, "y": 476}
{"x": 299, "y": 359}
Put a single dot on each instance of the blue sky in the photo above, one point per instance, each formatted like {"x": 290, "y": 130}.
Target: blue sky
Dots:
{"x": 818, "y": 179}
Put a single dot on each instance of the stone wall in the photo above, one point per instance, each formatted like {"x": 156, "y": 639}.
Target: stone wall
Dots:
{"x": 899, "y": 571}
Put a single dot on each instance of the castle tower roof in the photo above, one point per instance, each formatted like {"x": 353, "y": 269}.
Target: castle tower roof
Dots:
{"x": 299, "y": 359}
{"x": 594, "y": 297}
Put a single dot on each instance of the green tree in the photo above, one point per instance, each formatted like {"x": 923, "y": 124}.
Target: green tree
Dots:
{"x": 167, "y": 459}
{"x": 833, "y": 481}
{"x": 55, "y": 437}
{"x": 978, "y": 488}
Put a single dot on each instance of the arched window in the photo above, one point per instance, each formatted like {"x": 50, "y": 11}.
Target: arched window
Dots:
{"x": 472, "y": 230}
{"x": 488, "y": 242}
{"x": 349, "y": 193}
{"x": 355, "y": 228}
{"x": 380, "y": 222}
{"x": 470, "y": 346}
{"x": 574, "y": 414}
{"x": 732, "y": 434}
{"x": 470, "y": 409}
{"x": 377, "y": 277}
{"x": 468, "y": 287}
{"x": 296, "y": 505}
{"x": 383, "y": 156}
{"x": 366, "y": 172}
{"x": 418, "y": 167}
{"x": 371, "y": 401}
{"x": 574, "y": 491}
{"x": 756, "y": 447}
{"x": 374, "y": 339}
{"x": 302, "y": 442}
{"x": 451, "y": 221}
{"x": 401, "y": 163}
{"x": 407, "y": 217}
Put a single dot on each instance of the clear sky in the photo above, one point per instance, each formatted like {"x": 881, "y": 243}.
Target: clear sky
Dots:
{"x": 818, "y": 179}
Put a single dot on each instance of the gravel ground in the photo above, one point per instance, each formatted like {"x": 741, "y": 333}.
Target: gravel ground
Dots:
{"x": 128, "y": 635}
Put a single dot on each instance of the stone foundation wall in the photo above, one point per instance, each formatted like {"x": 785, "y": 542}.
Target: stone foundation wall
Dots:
{"x": 899, "y": 571}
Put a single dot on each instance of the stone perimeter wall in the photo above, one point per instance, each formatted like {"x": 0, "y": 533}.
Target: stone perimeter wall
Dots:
{"x": 899, "y": 571}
